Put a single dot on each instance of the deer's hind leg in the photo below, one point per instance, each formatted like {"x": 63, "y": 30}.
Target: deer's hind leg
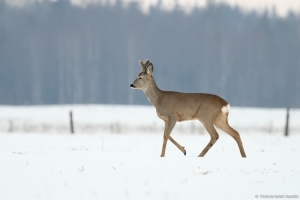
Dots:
{"x": 222, "y": 123}
{"x": 214, "y": 136}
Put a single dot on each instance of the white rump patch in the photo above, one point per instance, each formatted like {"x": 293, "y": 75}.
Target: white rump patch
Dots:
{"x": 226, "y": 109}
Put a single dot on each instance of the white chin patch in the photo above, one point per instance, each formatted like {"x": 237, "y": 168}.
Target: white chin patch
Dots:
{"x": 226, "y": 109}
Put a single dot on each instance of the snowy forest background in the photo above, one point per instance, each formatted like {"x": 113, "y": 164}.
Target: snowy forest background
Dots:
{"x": 58, "y": 53}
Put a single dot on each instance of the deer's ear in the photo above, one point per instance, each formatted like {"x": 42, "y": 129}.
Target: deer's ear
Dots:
{"x": 149, "y": 68}
{"x": 143, "y": 68}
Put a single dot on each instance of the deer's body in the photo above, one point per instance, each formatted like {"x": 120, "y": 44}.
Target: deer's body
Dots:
{"x": 211, "y": 110}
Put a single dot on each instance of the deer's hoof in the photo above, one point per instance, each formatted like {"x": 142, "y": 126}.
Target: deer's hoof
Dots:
{"x": 184, "y": 152}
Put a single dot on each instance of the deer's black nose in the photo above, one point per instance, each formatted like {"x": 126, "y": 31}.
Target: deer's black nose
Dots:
{"x": 131, "y": 85}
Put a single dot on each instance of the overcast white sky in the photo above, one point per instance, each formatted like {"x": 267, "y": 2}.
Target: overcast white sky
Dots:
{"x": 282, "y": 7}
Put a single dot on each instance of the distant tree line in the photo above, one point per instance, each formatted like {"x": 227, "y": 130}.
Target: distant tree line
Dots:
{"x": 56, "y": 53}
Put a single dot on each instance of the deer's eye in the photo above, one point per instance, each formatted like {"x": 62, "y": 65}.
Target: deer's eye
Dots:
{"x": 140, "y": 78}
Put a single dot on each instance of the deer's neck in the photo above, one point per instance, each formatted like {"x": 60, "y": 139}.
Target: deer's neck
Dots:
{"x": 152, "y": 92}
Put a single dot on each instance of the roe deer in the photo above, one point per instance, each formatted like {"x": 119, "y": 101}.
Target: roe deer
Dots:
{"x": 171, "y": 107}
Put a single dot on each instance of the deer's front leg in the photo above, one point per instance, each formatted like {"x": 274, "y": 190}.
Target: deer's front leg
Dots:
{"x": 169, "y": 125}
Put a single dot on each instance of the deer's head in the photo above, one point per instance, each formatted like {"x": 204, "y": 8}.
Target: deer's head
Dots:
{"x": 145, "y": 76}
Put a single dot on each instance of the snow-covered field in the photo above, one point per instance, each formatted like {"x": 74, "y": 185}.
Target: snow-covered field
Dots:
{"x": 114, "y": 154}
{"x": 128, "y": 119}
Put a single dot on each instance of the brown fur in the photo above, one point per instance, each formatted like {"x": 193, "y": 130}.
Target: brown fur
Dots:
{"x": 176, "y": 106}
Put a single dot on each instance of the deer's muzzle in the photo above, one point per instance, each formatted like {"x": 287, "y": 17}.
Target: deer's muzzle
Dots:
{"x": 131, "y": 85}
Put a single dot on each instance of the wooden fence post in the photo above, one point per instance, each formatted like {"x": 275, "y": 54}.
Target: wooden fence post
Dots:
{"x": 71, "y": 122}
{"x": 287, "y": 121}
{"x": 11, "y": 126}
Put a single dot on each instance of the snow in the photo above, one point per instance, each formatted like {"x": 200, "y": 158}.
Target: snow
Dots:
{"x": 124, "y": 119}
{"x": 105, "y": 164}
